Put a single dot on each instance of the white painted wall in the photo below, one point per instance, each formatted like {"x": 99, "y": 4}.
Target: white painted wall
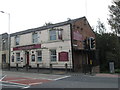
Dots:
{"x": 43, "y": 38}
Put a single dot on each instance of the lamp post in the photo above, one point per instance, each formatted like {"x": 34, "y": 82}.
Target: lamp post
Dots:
{"x": 8, "y": 37}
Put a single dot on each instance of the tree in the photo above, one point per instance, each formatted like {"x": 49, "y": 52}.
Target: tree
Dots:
{"x": 114, "y": 20}
{"x": 47, "y": 24}
{"x": 100, "y": 28}
{"x": 108, "y": 47}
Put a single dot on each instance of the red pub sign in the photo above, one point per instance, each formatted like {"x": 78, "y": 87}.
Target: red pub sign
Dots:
{"x": 63, "y": 56}
{"x": 77, "y": 36}
{"x": 34, "y": 46}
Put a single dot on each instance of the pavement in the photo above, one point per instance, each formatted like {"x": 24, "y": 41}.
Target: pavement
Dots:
{"x": 107, "y": 75}
{"x": 61, "y": 72}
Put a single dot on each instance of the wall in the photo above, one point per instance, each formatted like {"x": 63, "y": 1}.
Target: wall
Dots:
{"x": 82, "y": 30}
{"x": 46, "y": 46}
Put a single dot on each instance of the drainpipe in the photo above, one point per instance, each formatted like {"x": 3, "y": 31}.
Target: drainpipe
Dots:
{"x": 71, "y": 34}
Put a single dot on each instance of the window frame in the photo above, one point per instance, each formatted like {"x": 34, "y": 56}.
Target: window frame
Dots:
{"x": 39, "y": 56}
{"x": 52, "y": 35}
{"x": 17, "y": 40}
{"x": 53, "y": 55}
{"x": 12, "y": 58}
{"x": 17, "y": 58}
{"x": 35, "y": 37}
{"x": 33, "y": 60}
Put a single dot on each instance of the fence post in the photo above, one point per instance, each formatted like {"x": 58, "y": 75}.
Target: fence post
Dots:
{"x": 26, "y": 67}
{"x": 38, "y": 67}
{"x": 8, "y": 66}
{"x": 66, "y": 67}
{"x": 50, "y": 68}
{"x": 17, "y": 66}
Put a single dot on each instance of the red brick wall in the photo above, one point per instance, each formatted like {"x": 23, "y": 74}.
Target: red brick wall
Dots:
{"x": 83, "y": 27}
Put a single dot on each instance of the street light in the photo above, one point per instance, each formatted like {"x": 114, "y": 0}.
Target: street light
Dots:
{"x": 8, "y": 37}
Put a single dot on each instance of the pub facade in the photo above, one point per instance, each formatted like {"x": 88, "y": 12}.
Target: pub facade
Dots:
{"x": 57, "y": 44}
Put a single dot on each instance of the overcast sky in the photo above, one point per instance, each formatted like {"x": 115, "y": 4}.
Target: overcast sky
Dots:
{"x": 27, "y": 14}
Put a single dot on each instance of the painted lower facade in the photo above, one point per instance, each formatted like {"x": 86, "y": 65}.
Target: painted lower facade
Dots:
{"x": 30, "y": 56}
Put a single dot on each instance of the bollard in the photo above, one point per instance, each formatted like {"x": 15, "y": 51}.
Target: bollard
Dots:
{"x": 66, "y": 67}
{"x": 38, "y": 67}
{"x": 26, "y": 67}
{"x": 50, "y": 68}
{"x": 17, "y": 66}
{"x": 9, "y": 66}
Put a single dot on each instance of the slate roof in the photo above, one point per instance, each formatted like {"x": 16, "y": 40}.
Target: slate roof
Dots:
{"x": 46, "y": 27}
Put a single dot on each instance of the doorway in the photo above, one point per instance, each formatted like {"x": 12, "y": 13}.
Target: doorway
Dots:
{"x": 3, "y": 58}
{"x": 27, "y": 58}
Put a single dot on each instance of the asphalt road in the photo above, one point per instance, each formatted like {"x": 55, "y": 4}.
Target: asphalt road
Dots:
{"x": 81, "y": 81}
{"x": 63, "y": 81}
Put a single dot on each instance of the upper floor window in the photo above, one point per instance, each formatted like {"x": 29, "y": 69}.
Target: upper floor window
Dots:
{"x": 53, "y": 35}
{"x": 4, "y": 43}
{"x": 34, "y": 37}
{"x": 56, "y": 34}
{"x": 17, "y": 40}
{"x": 53, "y": 56}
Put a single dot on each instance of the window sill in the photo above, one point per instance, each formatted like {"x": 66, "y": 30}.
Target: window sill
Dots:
{"x": 52, "y": 62}
{"x": 39, "y": 62}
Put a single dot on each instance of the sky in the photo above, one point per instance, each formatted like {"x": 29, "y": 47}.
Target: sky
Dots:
{"x": 27, "y": 14}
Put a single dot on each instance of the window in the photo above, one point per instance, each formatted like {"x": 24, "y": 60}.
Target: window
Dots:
{"x": 39, "y": 56}
{"x": 4, "y": 58}
{"x": 34, "y": 37}
{"x": 53, "y": 55}
{"x": 17, "y": 56}
{"x": 53, "y": 35}
{"x": 17, "y": 40}
{"x": 3, "y": 46}
{"x": 12, "y": 58}
{"x": 33, "y": 58}
{"x": 60, "y": 31}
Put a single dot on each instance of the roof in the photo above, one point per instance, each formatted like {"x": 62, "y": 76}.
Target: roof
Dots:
{"x": 46, "y": 27}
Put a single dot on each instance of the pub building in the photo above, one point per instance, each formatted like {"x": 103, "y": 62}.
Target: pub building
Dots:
{"x": 58, "y": 44}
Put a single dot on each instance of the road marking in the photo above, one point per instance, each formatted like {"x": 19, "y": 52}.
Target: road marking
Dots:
{"x": 12, "y": 82}
{"x": 35, "y": 83}
{"x": 61, "y": 78}
{"x": 6, "y": 83}
{"x": 3, "y": 77}
{"x": 16, "y": 86}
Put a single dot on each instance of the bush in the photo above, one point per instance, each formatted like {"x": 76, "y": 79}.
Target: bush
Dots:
{"x": 117, "y": 70}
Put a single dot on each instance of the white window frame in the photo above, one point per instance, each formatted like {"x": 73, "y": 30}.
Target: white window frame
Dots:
{"x": 35, "y": 37}
{"x": 53, "y": 55}
{"x": 52, "y": 35}
{"x": 17, "y": 57}
{"x": 39, "y": 56}
{"x": 33, "y": 57}
{"x": 17, "y": 40}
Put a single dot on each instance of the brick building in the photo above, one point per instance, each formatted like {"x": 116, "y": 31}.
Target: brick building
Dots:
{"x": 57, "y": 44}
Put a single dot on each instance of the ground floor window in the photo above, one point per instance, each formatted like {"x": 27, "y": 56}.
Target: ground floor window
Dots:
{"x": 39, "y": 56}
{"x": 12, "y": 58}
{"x": 33, "y": 58}
{"x": 17, "y": 56}
{"x": 53, "y": 56}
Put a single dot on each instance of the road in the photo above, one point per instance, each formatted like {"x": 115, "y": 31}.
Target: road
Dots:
{"x": 81, "y": 81}
{"x": 38, "y": 80}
